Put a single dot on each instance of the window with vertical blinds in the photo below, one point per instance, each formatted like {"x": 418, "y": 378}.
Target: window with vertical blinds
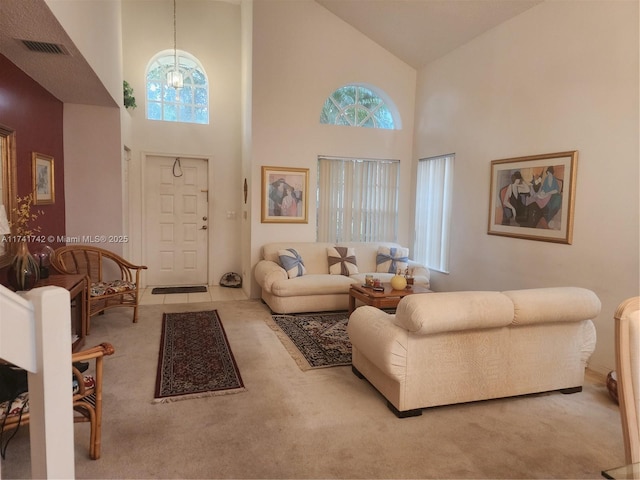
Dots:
{"x": 357, "y": 200}
{"x": 433, "y": 212}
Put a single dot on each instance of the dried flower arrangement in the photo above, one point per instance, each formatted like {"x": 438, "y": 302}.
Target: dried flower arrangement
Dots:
{"x": 23, "y": 216}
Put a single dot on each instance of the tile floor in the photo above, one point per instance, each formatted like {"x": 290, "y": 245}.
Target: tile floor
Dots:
{"x": 215, "y": 293}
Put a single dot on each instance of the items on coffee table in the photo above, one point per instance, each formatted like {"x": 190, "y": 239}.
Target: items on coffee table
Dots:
{"x": 383, "y": 297}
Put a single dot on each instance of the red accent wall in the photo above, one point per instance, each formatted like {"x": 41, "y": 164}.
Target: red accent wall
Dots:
{"x": 37, "y": 118}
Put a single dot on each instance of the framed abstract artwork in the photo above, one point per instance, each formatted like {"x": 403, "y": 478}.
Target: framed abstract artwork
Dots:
{"x": 533, "y": 197}
{"x": 43, "y": 180}
{"x": 285, "y": 195}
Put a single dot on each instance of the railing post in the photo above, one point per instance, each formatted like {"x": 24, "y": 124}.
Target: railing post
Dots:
{"x": 50, "y": 387}
{"x": 17, "y": 329}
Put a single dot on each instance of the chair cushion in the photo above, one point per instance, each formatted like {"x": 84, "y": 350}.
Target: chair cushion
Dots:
{"x": 108, "y": 288}
{"x": 20, "y": 401}
{"x": 342, "y": 261}
{"x": 89, "y": 382}
{"x": 23, "y": 399}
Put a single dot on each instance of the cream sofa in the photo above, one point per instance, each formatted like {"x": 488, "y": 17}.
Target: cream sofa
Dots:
{"x": 446, "y": 348}
{"x": 318, "y": 290}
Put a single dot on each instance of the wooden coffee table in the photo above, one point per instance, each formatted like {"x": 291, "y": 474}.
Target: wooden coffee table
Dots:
{"x": 387, "y": 299}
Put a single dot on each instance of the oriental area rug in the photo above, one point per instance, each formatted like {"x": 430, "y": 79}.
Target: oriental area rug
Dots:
{"x": 195, "y": 358}
{"x": 316, "y": 340}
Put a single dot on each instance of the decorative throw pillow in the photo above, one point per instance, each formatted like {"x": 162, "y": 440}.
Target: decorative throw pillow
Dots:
{"x": 342, "y": 261}
{"x": 392, "y": 259}
{"x": 292, "y": 262}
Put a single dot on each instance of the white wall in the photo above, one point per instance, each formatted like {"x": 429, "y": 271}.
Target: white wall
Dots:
{"x": 209, "y": 30}
{"x": 561, "y": 76}
{"x": 95, "y": 29}
{"x": 92, "y": 135}
{"x": 246, "y": 12}
{"x": 92, "y": 173}
{"x": 301, "y": 54}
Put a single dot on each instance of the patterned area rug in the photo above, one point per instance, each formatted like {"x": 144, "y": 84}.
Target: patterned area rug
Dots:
{"x": 195, "y": 358}
{"x": 315, "y": 340}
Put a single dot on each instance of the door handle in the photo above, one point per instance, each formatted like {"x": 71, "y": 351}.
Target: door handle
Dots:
{"x": 204, "y": 227}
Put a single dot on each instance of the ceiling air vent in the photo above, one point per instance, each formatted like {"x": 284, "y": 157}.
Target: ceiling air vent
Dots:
{"x": 44, "y": 47}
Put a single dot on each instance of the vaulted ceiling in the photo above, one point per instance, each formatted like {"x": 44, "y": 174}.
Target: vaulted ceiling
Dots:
{"x": 419, "y": 31}
{"x": 416, "y": 31}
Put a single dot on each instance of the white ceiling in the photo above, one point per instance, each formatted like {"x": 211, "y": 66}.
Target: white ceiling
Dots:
{"x": 419, "y": 31}
{"x": 416, "y": 31}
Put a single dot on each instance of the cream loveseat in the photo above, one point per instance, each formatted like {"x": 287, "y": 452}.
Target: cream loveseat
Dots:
{"x": 446, "y": 348}
{"x": 321, "y": 287}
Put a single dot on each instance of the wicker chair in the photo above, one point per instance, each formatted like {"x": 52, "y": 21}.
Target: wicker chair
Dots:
{"x": 114, "y": 282}
{"x": 87, "y": 398}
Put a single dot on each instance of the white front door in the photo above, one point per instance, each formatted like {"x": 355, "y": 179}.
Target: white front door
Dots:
{"x": 176, "y": 211}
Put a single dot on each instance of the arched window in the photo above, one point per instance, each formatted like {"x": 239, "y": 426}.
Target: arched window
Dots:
{"x": 189, "y": 104}
{"x": 358, "y": 106}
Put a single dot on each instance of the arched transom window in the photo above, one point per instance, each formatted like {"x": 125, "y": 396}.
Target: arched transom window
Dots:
{"x": 357, "y": 106}
{"x": 189, "y": 104}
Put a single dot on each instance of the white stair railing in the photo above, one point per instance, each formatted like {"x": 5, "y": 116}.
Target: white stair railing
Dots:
{"x": 35, "y": 334}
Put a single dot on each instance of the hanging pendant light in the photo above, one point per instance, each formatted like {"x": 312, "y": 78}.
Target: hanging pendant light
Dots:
{"x": 174, "y": 76}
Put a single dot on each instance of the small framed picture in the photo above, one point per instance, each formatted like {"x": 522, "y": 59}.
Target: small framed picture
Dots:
{"x": 533, "y": 197}
{"x": 43, "y": 179}
{"x": 285, "y": 195}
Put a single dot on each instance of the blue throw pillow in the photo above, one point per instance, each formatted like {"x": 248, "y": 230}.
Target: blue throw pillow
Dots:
{"x": 392, "y": 259}
{"x": 292, "y": 262}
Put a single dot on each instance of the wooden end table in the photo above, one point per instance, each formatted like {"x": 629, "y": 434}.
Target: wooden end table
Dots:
{"x": 78, "y": 286}
{"x": 387, "y": 299}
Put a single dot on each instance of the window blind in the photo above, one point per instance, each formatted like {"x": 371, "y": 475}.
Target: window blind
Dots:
{"x": 433, "y": 211}
{"x": 357, "y": 199}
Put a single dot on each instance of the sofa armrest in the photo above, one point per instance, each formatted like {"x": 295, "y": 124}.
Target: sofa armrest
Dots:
{"x": 372, "y": 332}
{"x": 420, "y": 270}
{"x": 267, "y": 273}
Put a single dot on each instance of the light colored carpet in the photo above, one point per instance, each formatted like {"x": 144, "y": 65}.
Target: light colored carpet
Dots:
{"x": 323, "y": 423}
